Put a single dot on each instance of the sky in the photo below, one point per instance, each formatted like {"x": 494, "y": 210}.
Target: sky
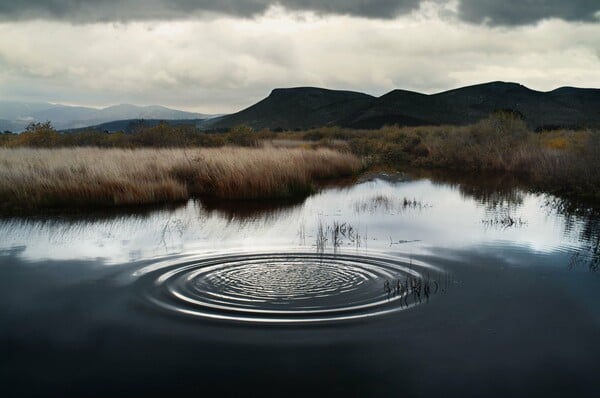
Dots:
{"x": 219, "y": 56}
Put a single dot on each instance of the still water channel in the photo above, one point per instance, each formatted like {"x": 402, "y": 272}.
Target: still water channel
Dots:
{"x": 392, "y": 284}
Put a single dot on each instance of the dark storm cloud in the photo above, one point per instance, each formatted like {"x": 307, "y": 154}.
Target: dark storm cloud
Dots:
{"x": 125, "y": 10}
{"x": 522, "y": 12}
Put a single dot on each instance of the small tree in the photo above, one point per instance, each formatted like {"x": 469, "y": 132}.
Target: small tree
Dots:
{"x": 39, "y": 135}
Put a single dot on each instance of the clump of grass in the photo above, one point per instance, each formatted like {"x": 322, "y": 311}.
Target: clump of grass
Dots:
{"x": 572, "y": 172}
{"x": 58, "y": 178}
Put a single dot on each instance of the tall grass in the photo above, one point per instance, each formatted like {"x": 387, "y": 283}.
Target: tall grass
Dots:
{"x": 57, "y": 178}
{"x": 565, "y": 162}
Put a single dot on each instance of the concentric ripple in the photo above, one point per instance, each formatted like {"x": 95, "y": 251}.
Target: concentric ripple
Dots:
{"x": 288, "y": 287}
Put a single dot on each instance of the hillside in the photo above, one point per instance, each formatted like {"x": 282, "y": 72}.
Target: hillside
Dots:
{"x": 297, "y": 108}
{"x": 562, "y": 107}
{"x": 308, "y": 107}
{"x": 130, "y": 125}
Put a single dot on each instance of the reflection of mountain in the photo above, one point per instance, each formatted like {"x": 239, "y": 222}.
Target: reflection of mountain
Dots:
{"x": 15, "y": 116}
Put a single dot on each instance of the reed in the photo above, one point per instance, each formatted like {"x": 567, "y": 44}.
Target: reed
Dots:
{"x": 80, "y": 177}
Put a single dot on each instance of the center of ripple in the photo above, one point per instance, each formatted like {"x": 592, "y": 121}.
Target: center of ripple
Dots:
{"x": 287, "y": 284}
{"x": 285, "y": 288}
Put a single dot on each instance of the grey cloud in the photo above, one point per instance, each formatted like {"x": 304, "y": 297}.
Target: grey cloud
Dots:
{"x": 83, "y": 11}
{"x": 522, "y": 12}
{"x": 492, "y": 12}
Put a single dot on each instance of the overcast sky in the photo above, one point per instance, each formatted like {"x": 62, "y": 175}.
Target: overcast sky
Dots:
{"x": 218, "y": 56}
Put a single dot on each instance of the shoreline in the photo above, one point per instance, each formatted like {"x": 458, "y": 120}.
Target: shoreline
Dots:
{"x": 38, "y": 179}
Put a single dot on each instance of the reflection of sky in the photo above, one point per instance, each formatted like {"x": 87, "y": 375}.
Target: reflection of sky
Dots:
{"x": 445, "y": 219}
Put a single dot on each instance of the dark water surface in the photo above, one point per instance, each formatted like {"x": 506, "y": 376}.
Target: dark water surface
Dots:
{"x": 388, "y": 287}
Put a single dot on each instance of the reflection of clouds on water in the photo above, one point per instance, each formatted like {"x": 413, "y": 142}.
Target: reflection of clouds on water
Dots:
{"x": 418, "y": 213}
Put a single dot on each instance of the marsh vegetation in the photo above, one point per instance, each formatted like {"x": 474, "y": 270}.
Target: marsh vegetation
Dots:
{"x": 82, "y": 177}
{"x": 282, "y": 164}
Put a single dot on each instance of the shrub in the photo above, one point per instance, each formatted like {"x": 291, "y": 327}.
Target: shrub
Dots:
{"x": 242, "y": 136}
{"x": 313, "y": 135}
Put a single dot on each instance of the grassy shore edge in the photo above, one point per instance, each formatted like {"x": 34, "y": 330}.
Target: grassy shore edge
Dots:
{"x": 32, "y": 179}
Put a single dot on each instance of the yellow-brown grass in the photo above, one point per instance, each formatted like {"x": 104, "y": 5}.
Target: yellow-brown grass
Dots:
{"x": 53, "y": 178}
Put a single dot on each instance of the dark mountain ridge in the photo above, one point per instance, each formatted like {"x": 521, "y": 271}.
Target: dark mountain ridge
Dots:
{"x": 306, "y": 107}
{"x": 309, "y": 107}
{"x": 300, "y": 107}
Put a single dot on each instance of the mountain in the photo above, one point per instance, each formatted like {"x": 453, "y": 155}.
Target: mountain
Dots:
{"x": 297, "y": 108}
{"x": 307, "y": 107}
{"x": 20, "y": 114}
{"x": 7, "y": 125}
{"x": 568, "y": 107}
{"x": 129, "y": 125}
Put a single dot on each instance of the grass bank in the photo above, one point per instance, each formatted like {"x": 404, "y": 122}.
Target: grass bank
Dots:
{"x": 564, "y": 162}
{"x": 33, "y": 179}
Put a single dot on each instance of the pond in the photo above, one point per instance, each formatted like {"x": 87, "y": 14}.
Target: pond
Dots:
{"x": 396, "y": 284}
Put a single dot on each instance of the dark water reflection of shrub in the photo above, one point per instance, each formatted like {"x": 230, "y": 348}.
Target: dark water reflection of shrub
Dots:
{"x": 588, "y": 217}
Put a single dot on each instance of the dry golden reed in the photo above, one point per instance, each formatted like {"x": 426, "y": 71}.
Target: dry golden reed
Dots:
{"x": 77, "y": 177}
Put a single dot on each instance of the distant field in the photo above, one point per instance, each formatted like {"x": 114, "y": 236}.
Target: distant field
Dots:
{"x": 33, "y": 179}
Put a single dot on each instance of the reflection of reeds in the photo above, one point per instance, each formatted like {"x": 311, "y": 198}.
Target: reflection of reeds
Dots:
{"x": 43, "y": 178}
{"x": 587, "y": 216}
{"x": 418, "y": 289}
{"x": 388, "y": 204}
{"x": 321, "y": 237}
{"x": 340, "y": 233}
{"x": 504, "y": 221}
{"x": 588, "y": 255}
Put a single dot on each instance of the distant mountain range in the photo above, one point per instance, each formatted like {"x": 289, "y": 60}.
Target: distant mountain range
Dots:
{"x": 306, "y": 107}
{"x": 15, "y": 116}
{"x": 130, "y": 125}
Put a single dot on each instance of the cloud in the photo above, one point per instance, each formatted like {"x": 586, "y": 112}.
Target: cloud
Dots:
{"x": 492, "y": 12}
{"x": 224, "y": 64}
{"x": 84, "y": 11}
{"x": 523, "y": 12}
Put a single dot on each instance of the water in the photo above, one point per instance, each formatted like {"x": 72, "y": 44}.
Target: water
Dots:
{"x": 421, "y": 286}
{"x": 288, "y": 288}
